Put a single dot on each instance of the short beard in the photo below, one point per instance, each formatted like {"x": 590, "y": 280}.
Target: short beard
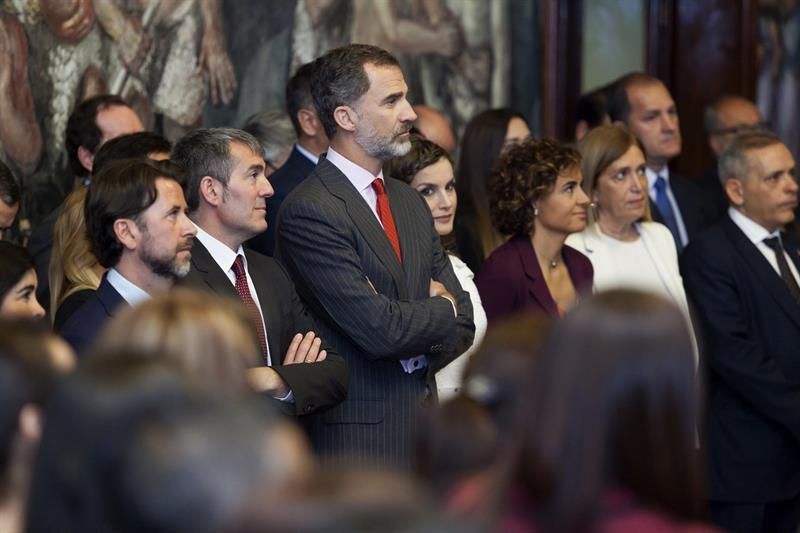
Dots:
{"x": 166, "y": 268}
{"x": 382, "y": 151}
{"x": 379, "y": 147}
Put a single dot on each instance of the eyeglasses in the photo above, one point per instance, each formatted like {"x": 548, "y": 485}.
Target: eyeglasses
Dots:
{"x": 742, "y": 128}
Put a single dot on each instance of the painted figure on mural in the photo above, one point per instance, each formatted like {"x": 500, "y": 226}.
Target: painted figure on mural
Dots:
{"x": 778, "y": 87}
{"x": 165, "y": 56}
{"x": 20, "y": 136}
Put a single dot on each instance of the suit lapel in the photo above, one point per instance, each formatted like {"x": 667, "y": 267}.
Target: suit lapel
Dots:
{"x": 769, "y": 280}
{"x": 210, "y": 272}
{"x": 109, "y": 297}
{"x": 659, "y": 262}
{"x": 530, "y": 265}
{"x": 364, "y": 220}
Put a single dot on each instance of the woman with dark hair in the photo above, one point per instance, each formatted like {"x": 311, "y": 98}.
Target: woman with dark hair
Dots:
{"x": 608, "y": 430}
{"x": 535, "y": 196}
{"x": 428, "y": 169}
{"x": 627, "y": 249}
{"x": 486, "y": 137}
{"x": 18, "y": 283}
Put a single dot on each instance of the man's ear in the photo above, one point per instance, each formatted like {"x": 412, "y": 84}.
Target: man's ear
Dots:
{"x": 346, "y": 118}
{"x": 619, "y": 123}
{"x": 86, "y": 158}
{"x": 714, "y": 144}
{"x": 127, "y": 232}
{"x": 211, "y": 190}
{"x": 734, "y": 189}
{"x": 309, "y": 122}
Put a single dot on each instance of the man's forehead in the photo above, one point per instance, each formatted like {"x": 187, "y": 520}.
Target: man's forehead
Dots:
{"x": 738, "y": 111}
{"x": 649, "y": 94}
{"x": 244, "y": 155}
{"x": 385, "y": 78}
{"x": 769, "y": 159}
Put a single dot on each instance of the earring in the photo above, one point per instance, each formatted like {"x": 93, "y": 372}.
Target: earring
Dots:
{"x": 535, "y": 211}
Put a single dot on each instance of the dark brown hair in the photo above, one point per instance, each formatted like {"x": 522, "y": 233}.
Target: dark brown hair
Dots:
{"x": 612, "y": 405}
{"x": 123, "y": 189}
{"x": 521, "y": 176}
{"x": 423, "y": 154}
{"x": 338, "y": 78}
{"x": 480, "y": 147}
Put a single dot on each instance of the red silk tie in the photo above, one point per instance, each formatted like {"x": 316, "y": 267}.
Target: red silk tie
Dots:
{"x": 385, "y": 215}
{"x": 244, "y": 293}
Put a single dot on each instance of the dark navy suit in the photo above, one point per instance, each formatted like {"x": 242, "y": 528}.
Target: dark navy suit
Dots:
{"x": 699, "y": 209}
{"x": 83, "y": 326}
{"x": 751, "y": 327}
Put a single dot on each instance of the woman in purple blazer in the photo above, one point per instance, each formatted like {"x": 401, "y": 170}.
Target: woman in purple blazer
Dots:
{"x": 535, "y": 197}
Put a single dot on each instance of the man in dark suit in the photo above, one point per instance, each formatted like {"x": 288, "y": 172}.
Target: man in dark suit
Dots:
{"x": 644, "y": 105}
{"x": 742, "y": 276}
{"x": 311, "y": 142}
{"x": 366, "y": 258}
{"x": 138, "y": 229}
{"x": 723, "y": 119}
{"x": 226, "y": 191}
{"x": 91, "y": 124}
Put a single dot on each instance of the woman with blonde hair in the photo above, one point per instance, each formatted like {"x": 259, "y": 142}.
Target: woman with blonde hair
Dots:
{"x": 74, "y": 271}
{"x": 210, "y": 338}
{"x": 627, "y": 249}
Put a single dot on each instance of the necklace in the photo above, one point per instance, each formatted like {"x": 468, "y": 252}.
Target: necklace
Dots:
{"x": 554, "y": 264}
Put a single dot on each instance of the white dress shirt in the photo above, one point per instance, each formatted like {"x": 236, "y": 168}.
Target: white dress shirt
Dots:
{"x": 757, "y": 233}
{"x": 130, "y": 293}
{"x": 651, "y": 185}
{"x": 225, "y": 257}
{"x": 311, "y": 157}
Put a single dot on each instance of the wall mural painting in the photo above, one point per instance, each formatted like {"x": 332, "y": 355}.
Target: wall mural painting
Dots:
{"x": 778, "y": 88}
{"x": 186, "y": 63}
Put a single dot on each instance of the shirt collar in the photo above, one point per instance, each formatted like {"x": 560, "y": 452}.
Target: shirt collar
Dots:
{"x": 222, "y": 255}
{"x": 311, "y": 157}
{"x": 360, "y": 177}
{"x": 130, "y": 293}
{"x": 653, "y": 175}
{"x": 753, "y": 230}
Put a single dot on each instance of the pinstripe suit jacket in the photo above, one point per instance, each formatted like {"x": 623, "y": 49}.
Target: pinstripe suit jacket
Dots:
{"x": 373, "y": 310}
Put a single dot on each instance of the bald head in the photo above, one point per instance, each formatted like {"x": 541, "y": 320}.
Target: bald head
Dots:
{"x": 728, "y": 116}
{"x": 435, "y": 127}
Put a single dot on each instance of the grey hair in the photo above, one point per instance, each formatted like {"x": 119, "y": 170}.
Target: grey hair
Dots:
{"x": 207, "y": 152}
{"x": 274, "y": 130}
{"x": 734, "y": 162}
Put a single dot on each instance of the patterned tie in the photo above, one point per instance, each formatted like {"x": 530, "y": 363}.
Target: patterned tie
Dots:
{"x": 665, "y": 208}
{"x": 783, "y": 266}
{"x": 385, "y": 215}
{"x": 244, "y": 293}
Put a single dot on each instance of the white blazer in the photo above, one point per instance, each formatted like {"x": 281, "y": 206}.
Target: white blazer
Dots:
{"x": 660, "y": 246}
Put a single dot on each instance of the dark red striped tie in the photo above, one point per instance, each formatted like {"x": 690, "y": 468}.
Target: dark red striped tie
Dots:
{"x": 244, "y": 293}
{"x": 385, "y": 215}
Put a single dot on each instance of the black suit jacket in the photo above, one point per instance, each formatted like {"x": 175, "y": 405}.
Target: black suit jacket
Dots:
{"x": 284, "y": 180}
{"x": 83, "y": 326}
{"x": 374, "y": 310}
{"x": 315, "y": 386}
{"x": 751, "y": 328}
{"x": 698, "y": 209}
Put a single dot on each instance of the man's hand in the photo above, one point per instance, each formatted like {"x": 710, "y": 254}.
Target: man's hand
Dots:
{"x": 265, "y": 379}
{"x": 305, "y": 349}
{"x": 437, "y": 289}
